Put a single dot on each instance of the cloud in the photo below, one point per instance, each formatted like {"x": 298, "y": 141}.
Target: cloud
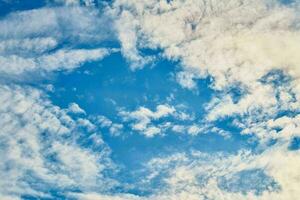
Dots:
{"x": 194, "y": 130}
{"x": 237, "y": 43}
{"x": 198, "y": 175}
{"x": 201, "y": 175}
{"x": 27, "y": 46}
{"x": 96, "y": 196}
{"x": 40, "y": 141}
{"x": 75, "y": 108}
{"x": 126, "y": 27}
{"x": 60, "y": 60}
{"x": 75, "y": 24}
{"x": 233, "y": 42}
{"x": 142, "y": 119}
{"x": 114, "y": 129}
{"x": 186, "y": 80}
{"x": 34, "y": 144}
{"x": 167, "y": 118}
{"x": 34, "y": 44}
{"x": 88, "y": 3}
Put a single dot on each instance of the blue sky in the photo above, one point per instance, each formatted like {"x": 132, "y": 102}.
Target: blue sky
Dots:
{"x": 164, "y": 100}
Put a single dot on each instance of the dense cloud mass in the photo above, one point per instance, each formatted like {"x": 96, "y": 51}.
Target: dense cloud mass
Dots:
{"x": 248, "y": 49}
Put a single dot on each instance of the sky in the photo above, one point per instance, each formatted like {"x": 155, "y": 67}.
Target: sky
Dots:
{"x": 149, "y": 100}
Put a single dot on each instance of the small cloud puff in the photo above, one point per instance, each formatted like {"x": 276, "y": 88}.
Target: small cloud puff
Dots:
{"x": 75, "y": 108}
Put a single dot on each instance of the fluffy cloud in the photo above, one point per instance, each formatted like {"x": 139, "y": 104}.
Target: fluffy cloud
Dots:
{"x": 39, "y": 141}
{"x": 165, "y": 118}
{"x": 143, "y": 116}
{"x": 234, "y": 42}
{"x": 33, "y": 145}
{"x": 75, "y": 108}
{"x": 201, "y": 176}
{"x": 239, "y": 44}
{"x": 114, "y": 128}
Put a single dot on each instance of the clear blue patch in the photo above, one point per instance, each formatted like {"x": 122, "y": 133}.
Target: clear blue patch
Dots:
{"x": 295, "y": 144}
{"x": 7, "y": 7}
{"x": 237, "y": 93}
{"x": 287, "y": 2}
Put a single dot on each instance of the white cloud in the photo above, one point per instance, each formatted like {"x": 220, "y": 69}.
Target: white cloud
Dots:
{"x": 96, "y": 196}
{"x": 29, "y": 40}
{"x": 33, "y": 144}
{"x": 186, "y": 79}
{"x": 88, "y": 3}
{"x": 235, "y": 41}
{"x": 76, "y": 24}
{"x": 60, "y": 60}
{"x": 115, "y": 129}
{"x": 27, "y": 46}
{"x": 126, "y": 26}
{"x": 178, "y": 128}
{"x": 201, "y": 176}
{"x": 40, "y": 140}
{"x": 165, "y": 117}
{"x": 142, "y": 119}
{"x": 103, "y": 121}
{"x": 194, "y": 130}
{"x": 198, "y": 175}
{"x": 75, "y": 108}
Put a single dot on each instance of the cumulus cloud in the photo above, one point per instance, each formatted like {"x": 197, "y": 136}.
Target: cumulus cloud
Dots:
{"x": 143, "y": 117}
{"x": 75, "y": 108}
{"x": 186, "y": 79}
{"x": 167, "y": 118}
